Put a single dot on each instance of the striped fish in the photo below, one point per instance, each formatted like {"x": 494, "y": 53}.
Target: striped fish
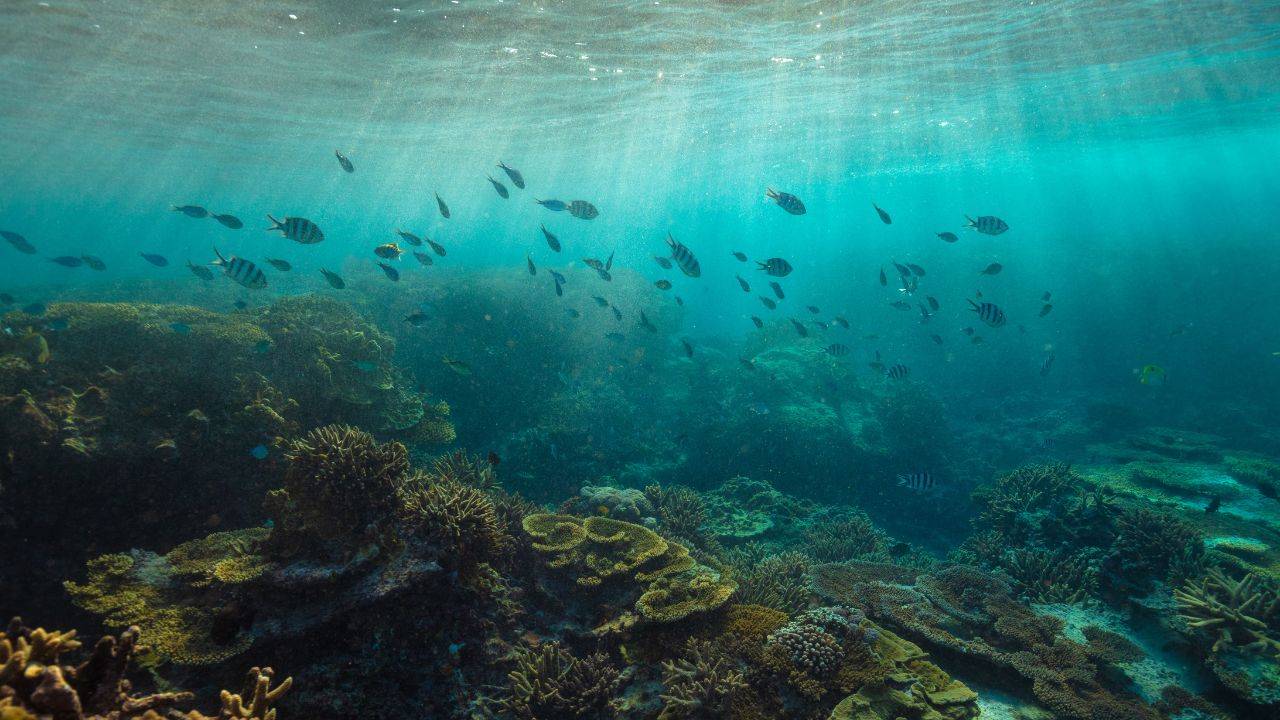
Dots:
{"x": 898, "y": 372}
{"x": 684, "y": 257}
{"x": 989, "y": 313}
{"x": 801, "y": 330}
{"x": 299, "y": 230}
{"x": 582, "y": 210}
{"x": 242, "y": 271}
{"x": 663, "y": 263}
{"x": 987, "y": 224}
{"x": 786, "y": 201}
{"x": 776, "y": 267}
{"x": 838, "y": 349}
{"x": 334, "y": 279}
{"x": 917, "y": 481}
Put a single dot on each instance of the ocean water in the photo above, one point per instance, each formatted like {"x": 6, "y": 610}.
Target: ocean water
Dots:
{"x": 1130, "y": 146}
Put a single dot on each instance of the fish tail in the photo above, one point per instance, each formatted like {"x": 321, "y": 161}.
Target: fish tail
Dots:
{"x": 971, "y": 221}
{"x": 275, "y": 224}
{"x": 975, "y": 306}
{"x": 221, "y": 260}
{"x": 770, "y": 193}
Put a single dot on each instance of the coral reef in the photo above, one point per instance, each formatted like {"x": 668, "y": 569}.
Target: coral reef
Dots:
{"x": 1239, "y": 614}
{"x": 550, "y": 683}
{"x": 703, "y": 682}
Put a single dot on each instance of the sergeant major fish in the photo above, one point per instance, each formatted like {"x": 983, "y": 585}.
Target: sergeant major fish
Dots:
{"x": 423, "y": 258}
{"x": 777, "y": 267}
{"x": 582, "y": 209}
{"x": 242, "y": 271}
{"x": 987, "y": 224}
{"x": 299, "y": 230}
{"x": 917, "y": 481}
{"x": 409, "y": 237}
{"x": 786, "y": 201}
{"x": 989, "y": 313}
{"x": 777, "y": 290}
{"x": 229, "y": 221}
{"x": 683, "y": 257}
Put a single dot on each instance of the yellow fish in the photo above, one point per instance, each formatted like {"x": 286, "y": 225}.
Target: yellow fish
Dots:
{"x": 1150, "y": 374}
{"x": 35, "y": 346}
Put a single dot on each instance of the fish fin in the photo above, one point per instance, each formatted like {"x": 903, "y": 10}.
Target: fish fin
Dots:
{"x": 975, "y": 306}
{"x": 972, "y": 222}
{"x": 770, "y": 193}
{"x": 220, "y": 261}
{"x": 275, "y": 224}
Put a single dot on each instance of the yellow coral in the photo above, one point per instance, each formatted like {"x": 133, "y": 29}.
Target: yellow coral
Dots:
{"x": 752, "y": 623}
{"x": 261, "y": 697}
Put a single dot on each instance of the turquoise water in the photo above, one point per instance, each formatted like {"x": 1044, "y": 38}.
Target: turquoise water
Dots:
{"x": 1130, "y": 146}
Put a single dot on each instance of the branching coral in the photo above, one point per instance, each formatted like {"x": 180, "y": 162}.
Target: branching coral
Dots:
{"x": 459, "y": 517}
{"x": 681, "y": 510}
{"x": 339, "y": 482}
{"x": 464, "y": 469}
{"x": 776, "y": 581}
{"x": 35, "y": 685}
{"x": 844, "y": 536}
{"x": 552, "y": 684}
{"x": 1147, "y": 545}
{"x": 1233, "y": 613}
{"x": 702, "y": 683}
{"x": 1045, "y": 577}
{"x": 1013, "y": 496}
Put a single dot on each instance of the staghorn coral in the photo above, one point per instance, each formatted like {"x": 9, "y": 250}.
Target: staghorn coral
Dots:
{"x": 34, "y": 685}
{"x": 463, "y": 469}
{"x": 776, "y": 581}
{"x": 598, "y": 551}
{"x": 460, "y": 518}
{"x": 680, "y": 511}
{"x": 1233, "y": 613}
{"x": 338, "y": 484}
{"x": 1045, "y": 577}
{"x": 550, "y": 683}
{"x": 1147, "y": 546}
{"x": 701, "y": 683}
{"x": 1014, "y": 496}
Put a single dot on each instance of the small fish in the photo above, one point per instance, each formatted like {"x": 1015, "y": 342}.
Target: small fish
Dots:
{"x": 423, "y": 258}
{"x": 936, "y": 339}
{"x": 1152, "y": 375}
{"x": 992, "y": 269}
{"x": 743, "y": 284}
{"x": 516, "y": 178}
{"x": 552, "y": 205}
{"x": 299, "y": 230}
{"x": 365, "y": 366}
{"x": 154, "y": 259}
{"x": 777, "y": 267}
{"x": 663, "y": 284}
{"x": 747, "y": 363}
{"x": 553, "y": 242}
{"x": 813, "y": 309}
{"x": 34, "y": 346}
{"x": 344, "y": 162}
{"x": 1046, "y": 309}
{"x": 679, "y": 301}
{"x": 242, "y": 271}
{"x": 841, "y": 321}
{"x": 417, "y": 318}
{"x": 68, "y": 261}
{"x": 987, "y": 224}
{"x": 58, "y": 324}
{"x": 18, "y": 242}
{"x": 494, "y": 460}
{"x": 1045, "y": 297}
{"x": 884, "y": 279}
{"x": 281, "y": 265}
{"x": 884, "y": 216}
{"x": 916, "y": 481}
{"x": 500, "y": 188}
{"x": 582, "y": 209}
{"x": 967, "y": 331}
{"x": 392, "y": 274}
{"x": 529, "y": 260}
{"x": 572, "y": 312}
{"x": 1047, "y": 365}
{"x": 617, "y": 314}
{"x": 557, "y": 276}
{"x": 334, "y": 279}
{"x": 933, "y": 302}
{"x": 758, "y": 322}
{"x": 436, "y": 247}
{"x": 608, "y": 264}
{"x": 768, "y": 302}
{"x": 777, "y": 290}
{"x": 663, "y": 263}
{"x": 684, "y": 257}
{"x": 457, "y": 366}
{"x": 740, "y": 256}
{"x": 688, "y": 346}
{"x": 444, "y": 209}
{"x": 259, "y": 452}
{"x": 898, "y": 372}
{"x": 903, "y": 270}
{"x": 388, "y": 251}
{"x": 924, "y": 314}
{"x": 837, "y": 349}
{"x": 900, "y": 305}
{"x": 230, "y": 221}
{"x": 409, "y": 237}
{"x": 191, "y": 211}
{"x": 180, "y": 328}
{"x": 989, "y": 313}
{"x": 1214, "y": 503}
{"x": 593, "y": 263}
{"x": 801, "y": 330}
{"x": 916, "y": 269}
{"x": 559, "y": 288}
{"x": 909, "y": 285}
{"x": 94, "y": 263}
{"x": 786, "y": 201}
{"x": 948, "y": 237}
{"x": 644, "y": 323}
{"x": 615, "y": 336}
{"x": 600, "y": 301}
